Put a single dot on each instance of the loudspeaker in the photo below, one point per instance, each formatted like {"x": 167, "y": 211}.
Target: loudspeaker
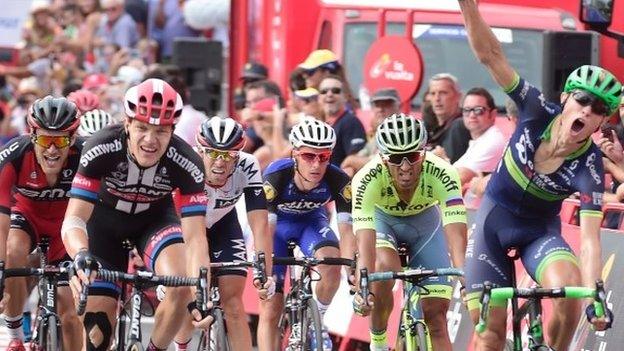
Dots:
{"x": 201, "y": 62}
{"x": 564, "y": 52}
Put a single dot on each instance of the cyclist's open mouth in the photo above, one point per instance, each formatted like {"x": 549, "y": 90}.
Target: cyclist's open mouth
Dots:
{"x": 149, "y": 150}
{"x": 51, "y": 160}
{"x": 577, "y": 125}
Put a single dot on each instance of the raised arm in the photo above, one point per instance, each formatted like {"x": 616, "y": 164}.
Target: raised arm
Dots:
{"x": 485, "y": 45}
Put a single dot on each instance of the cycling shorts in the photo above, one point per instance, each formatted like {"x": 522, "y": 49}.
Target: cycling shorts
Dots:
{"x": 150, "y": 231}
{"x": 495, "y": 231}
{"x": 39, "y": 227}
{"x": 424, "y": 235}
{"x": 227, "y": 244}
{"x": 310, "y": 233}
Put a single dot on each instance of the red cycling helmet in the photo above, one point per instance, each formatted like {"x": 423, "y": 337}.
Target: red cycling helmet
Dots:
{"x": 153, "y": 102}
{"x": 85, "y": 100}
{"x": 95, "y": 81}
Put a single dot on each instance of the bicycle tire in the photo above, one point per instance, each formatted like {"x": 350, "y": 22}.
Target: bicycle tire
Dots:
{"x": 135, "y": 346}
{"x": 422, "y": 343}
{"x": 311, "y": 318}
{"x": 218, "y": 338}
{"x": 509, "y": 345}
{"x": 285, "y": 329}
{"x": 51, "y": 334}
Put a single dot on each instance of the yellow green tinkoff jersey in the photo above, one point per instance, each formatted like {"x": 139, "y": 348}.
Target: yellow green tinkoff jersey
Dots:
{"x": 439, "y": 184}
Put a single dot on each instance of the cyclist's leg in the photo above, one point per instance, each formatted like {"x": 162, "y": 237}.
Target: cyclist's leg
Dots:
{"x": 161, "y": 253}
{"x": 320, "y": 241}
{"x": 551, "y": 263}
{"x": 228, "y": 245}
{"x": 271, "y": 310}
{"x": 429, "y": 249}
{"x": 19, "y": 245}
{"x": 486, "y": 260}
{"x": 386, "y": 259}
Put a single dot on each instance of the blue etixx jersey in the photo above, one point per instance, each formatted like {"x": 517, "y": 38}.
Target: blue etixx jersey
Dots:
{"x": 518, "y": 187}
{"x": 286, "y": 201}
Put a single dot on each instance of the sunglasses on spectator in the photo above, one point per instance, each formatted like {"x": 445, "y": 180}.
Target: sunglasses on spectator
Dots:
{"x": 309, "y": 72}
{"x": 216, "y": 154}
{"x": 45, "y": 141}
{"x": 334, "y": 90}
{"x": 478, "y": 111}
{"x": 411, "y": 157}
{"x": 584, "y": 99}
{"x": 311, "y": 156}
{"x": 307, "y": 100}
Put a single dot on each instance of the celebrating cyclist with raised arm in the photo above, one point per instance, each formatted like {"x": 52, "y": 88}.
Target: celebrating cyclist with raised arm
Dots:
{"x": 122, "y": 191}
{"x": 407, "y": 195}
{"x": 550, "y": 156}
{"x": 297, "y": 190}
{"x": 36, "y": 172}
{"x": 230, "y": 174}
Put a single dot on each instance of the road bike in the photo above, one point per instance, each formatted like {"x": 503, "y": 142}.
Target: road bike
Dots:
{"x": 300, "y": 320}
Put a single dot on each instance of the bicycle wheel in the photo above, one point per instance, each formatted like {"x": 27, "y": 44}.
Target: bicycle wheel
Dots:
{"x": 218, "y": 338}
{"x": 285, "y": 331}
{"x": 135, "y": 346}
{"x": 422, "y": 343}
{"x": 311, "y": 327}
{"x": 51, "y": 334}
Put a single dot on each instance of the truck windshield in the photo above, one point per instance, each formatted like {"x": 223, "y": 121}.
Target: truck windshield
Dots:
{"x": 445, "y": 49}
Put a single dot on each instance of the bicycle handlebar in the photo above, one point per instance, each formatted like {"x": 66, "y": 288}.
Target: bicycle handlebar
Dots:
{"x": 311, "y": 261}
{"x": 572, "y": 292}
{"x": 146, "y": 278}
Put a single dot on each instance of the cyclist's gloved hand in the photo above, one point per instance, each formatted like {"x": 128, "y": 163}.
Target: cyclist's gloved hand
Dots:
{"x": 83, "y": 271}
{"x": 599, "y": 323}
{"x": 360, "y": 307}
{"x": 202, "y": 319}
{"x": 267, "y": 290}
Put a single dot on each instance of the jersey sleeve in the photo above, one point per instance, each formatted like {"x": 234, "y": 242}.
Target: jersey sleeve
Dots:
{"x": 255, "y": 198}
{"x": 190, "y": 184}
{"x": 531, "y": 103}
{"x": 590, "y": 185}
{"x": 447, "y": 190}
{"x": 340, "y": 185}
{"x": 367, "y": 184}
{"x": 9, "y": 154}
{"x": 270, "y": 186}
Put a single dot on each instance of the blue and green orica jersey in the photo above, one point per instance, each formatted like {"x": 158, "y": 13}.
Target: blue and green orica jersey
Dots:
{"x": 518, "y": 187}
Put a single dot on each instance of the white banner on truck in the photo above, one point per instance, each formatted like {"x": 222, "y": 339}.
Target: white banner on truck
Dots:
{"x": 13, "y": 15}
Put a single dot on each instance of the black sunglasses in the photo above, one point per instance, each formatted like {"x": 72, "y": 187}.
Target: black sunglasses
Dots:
{"x": 584, "y": 98}
{"x": 334, "y": 90}
{"x": 478, "y": 111}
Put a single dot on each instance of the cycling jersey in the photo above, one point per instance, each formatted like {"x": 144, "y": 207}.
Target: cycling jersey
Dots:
{"x": 34, "y": 206}
{"x": 245, "y": 179}
{"x": 438, "y": 185}
{"x": 516, "y": 185}
{"x": 108, "y": 174}
{"x": 286, "y": 201}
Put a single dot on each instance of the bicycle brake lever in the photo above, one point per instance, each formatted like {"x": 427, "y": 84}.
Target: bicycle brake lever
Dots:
{"x": 485, "y": 307}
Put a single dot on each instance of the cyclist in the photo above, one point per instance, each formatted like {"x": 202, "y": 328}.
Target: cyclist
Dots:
{"x": 230, "y": 174}
{"x": 36, "y": 171}
{"x": 550, "y": 156}
{"x": 122, "y": 191}
{"x": 407, "y": 195}
{"x": 297, "y": 190}
{"x": 92, "y": 121}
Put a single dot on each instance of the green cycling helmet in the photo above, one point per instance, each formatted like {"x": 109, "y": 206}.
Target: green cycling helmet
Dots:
{"x": 597, "y": 81}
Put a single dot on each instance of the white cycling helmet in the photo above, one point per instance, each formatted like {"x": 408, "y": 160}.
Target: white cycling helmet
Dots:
{"x": 92, "y": 121}
{"x": 400, "y": 133}
{"x": 312, "y": 133}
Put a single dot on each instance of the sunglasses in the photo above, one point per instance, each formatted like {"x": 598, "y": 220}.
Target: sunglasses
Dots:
{"x": 598, "y": 106}
{"x": 309, "y": 72}
{"x": 478, "y": 111}
{"x": 311, "y": 156}
{"x": 411, "y": 157}
{"x": 307, "y": 100}
{"x": 45, "y": 141}
{"x": 334, "y": 90}
{"x": 216, "y": 154}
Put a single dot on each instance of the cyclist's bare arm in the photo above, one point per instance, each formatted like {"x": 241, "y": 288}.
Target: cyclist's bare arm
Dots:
{"x": 263, "y": 237}
{"x": 194, "y": 233}
{"x": 485, "y": 45}
{"x": 5, "y": 224}
{"x": 75, "y": 237}
{"x": 366, "y": 239}
{"x": 591, "y": 255}
{"x": 347, "y": 240}
{"x": 457, "y": 239}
